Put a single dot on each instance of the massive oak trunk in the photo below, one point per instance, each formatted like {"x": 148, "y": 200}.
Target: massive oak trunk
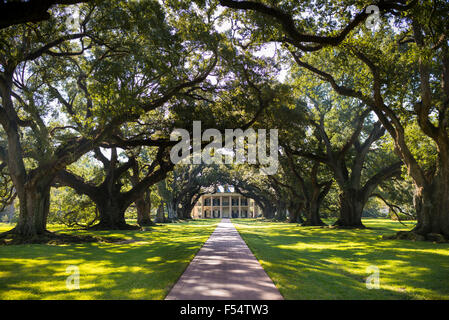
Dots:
{"x": 268, "y": 211}
{"x": 33, "y": 192}
{"x": 294, "y": 213}
{"x": 143, "y": 208}
{"x": 188, "y": 203}
{"x": 281, "y": 213}
{"x": 110, "y": 202}
{"x": 432, "y": 209}
{"x": 160, "y": 215}
{"x": 172, "y": 214}
{"x": 186, "y": 211}
{"x": 313, "y": 192}
{"x": 34, "y": 209}
{"x": 351, "y": 209}
{"x": 111, "y": 214}
{"x": 313, "y": 214}
{"x": 317, "y": 194}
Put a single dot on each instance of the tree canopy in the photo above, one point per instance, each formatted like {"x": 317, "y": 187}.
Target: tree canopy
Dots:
{"x": 92, "y": 90}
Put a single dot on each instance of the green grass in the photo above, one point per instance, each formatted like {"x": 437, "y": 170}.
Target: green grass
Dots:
{"x": 144, "y": 269}
{"x": 324, "y": 263}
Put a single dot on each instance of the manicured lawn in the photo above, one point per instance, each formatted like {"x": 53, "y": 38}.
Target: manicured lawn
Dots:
{"x": 323, "y": 263}
{"x": 144, "y": 269}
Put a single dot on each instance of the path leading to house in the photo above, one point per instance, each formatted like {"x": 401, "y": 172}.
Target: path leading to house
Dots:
{"x": 224, "y": 269}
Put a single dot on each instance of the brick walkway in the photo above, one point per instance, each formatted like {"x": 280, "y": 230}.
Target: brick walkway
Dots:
{"x": 224, "y": 268}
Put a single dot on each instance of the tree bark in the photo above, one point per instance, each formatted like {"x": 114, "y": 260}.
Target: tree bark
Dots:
{"x": 318, "y": 193}
{"x": 172, "y": 214}
{"x": 186, "y": 211}
{"x": 351, "y": 209}
{"x": 268, "y": 211}
{"x": 281, "y": 213}
{"x": 34, "y": 209}
{"x": 293, "y": 217}
{"x": 111, "y": 214}
{"x": 313, "y": 214}
{"x": 160, "y": 215}
{"x": 143, "y": 208}
{"x": 294, "y": 214}
{"x": 432, "y": 209}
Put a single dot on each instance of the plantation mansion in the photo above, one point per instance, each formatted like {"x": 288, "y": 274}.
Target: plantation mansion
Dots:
{"x": 225, "y": 204}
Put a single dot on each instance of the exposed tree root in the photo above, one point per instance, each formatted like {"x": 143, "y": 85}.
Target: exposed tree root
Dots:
{"x": 122, "y": 226}
{"x": 310, "y": 224}
{"x": 147, "y": 223}
{"x": 13, "y": 238}
{"x": 413, "y": 236}
{"x": 342, "y": 226}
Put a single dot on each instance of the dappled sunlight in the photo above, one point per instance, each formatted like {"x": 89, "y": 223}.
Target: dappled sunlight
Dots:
{"x": 144, "y": 269}
{"x": 304, "y": 262}
{"x": 326, "y": 263}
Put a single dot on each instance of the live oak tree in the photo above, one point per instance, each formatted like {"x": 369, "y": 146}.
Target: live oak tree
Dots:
{"x": 416, "y": 39}
{"x": 72, "y": 205}
{"x": 327, "y": 132}
{"x": 198, "y": 95}
{"x": 248, "y": 182}
{"x": 271, "y": 192}
{"x": 313, "y": 189}
{"x": 185, "y": 185}
{"x": 167, "y": 202}
{"x": 305, "y": 182}
{"x": 143, "y": 202}
{"x": 197, "y": 181}
{"x": 22, "y": 117}
{"x": 77, "y": 77}
{"x": 133, "y": 159}
{"x": 402, "y": 76}
{"x": 110, "y": 198}
{"x": 289, "y": 199}
{"x": 348, "y": 146}
{"x": 281, "y": 200}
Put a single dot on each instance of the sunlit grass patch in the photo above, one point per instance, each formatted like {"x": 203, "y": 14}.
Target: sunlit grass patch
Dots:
{"x": 324, "y": 263}
{"x": 144, "y": 269}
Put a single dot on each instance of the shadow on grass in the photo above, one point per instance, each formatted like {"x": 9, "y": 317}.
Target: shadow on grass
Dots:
{"x": 323, "y": 263}
{"x": 145, "y": 268}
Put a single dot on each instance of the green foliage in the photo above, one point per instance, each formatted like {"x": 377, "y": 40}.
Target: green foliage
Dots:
{"x": 71, "y": 209}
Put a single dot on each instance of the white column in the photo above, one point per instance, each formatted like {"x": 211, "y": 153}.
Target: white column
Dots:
{"x": 202, "y": 206}
{"x": 240, "y": 209}
{"x": 254, "y": 209}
